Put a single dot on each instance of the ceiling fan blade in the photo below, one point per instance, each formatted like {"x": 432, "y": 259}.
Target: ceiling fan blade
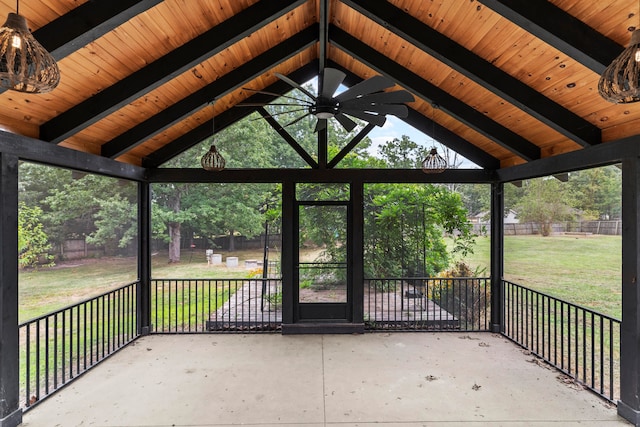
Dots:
{"x": 346, "y": 122}
{"x": 262, "y": 104}
{"x": 365, "y": 87}
{"x": 395, "y": 97}
{"x": 296, "y": 120}
{"x": 376, "y": 119}
{"x": 321, "y": 124}
{"x": 331, "y": 80}
{"x": 396, "y": 109}
{"x": 287, "y": 112}
{"x": 306, "y": 101}
{"x": 295, "y": 85}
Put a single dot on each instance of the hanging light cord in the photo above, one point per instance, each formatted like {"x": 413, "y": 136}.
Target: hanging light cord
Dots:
{"x": 17, "y": 7}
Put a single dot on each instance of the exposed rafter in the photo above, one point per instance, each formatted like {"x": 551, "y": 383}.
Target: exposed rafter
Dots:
{"x": 479, "y": 70}
{"x": 427, "y": 91}
{"x": 227, "y": 118}
{"x": 197, "y": 100}
{"x": 88, "y": 22}
{"x": 559, "y": 29}
{"x": 164, "y": 69}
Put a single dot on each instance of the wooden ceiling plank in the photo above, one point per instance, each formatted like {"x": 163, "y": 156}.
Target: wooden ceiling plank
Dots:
{"x": 162, "y": 70}
{"x": 221, "y": 86}
{"x": 560, "y": 30}
{"x": 480, "y": 71}
{"x": 227, "y": 118}
{"x": 416, "y": 84}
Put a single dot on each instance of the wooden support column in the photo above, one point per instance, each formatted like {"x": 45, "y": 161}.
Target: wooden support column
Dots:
{"x": 357, "y": 253}
{"x": 144, "y": 259}
{"x": 10, "y": 412}
{"x": 497, "y": 257}
{"x": 287, "y": 254}
{"x": 629, "y": 403}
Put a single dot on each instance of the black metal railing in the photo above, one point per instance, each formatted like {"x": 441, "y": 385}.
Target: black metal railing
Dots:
{"x": 216, "y": 305}
{"x": 580, "y": 342}
{"x": 427, "y": 303}
{"x": 58, "y": 347}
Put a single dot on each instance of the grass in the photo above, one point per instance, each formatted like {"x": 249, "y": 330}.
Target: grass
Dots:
{"x": 45, "y": 290}
{"x": 583, "y": 270}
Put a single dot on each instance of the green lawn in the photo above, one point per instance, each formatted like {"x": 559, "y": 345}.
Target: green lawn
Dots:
{"x": 45, "y": 290}
{"x": 583, "y": 270}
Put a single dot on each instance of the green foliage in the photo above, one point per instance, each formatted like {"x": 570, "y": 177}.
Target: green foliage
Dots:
{"x": 546, "y": 201}
{"x": 404, "y": 229}
{"x": 401, "y": 153}
{"x": 116, "y": 224}
{"x": 33, "y": 242}
{"x": 597, "y": 192}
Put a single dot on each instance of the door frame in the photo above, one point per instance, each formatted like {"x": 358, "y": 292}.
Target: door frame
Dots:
{"x": 356, "y": 243}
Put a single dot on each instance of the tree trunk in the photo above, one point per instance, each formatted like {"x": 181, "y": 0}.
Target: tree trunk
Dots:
{"x": 232, "y": 241}
{"x": 174, "y": 242}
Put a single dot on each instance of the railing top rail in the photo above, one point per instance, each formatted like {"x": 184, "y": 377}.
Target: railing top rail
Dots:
{"x": 428, "y": 278}
{"x": 227, "y": 279}
{"x": 589, "y": 310}
{"x": 70, "y": 306}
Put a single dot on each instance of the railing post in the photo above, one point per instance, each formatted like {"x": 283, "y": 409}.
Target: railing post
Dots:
{"x": 10, "y": 412}
{"x": 143, "y": 292}
{"x": 629, "y": 404}
{"x": 497, "y": 257}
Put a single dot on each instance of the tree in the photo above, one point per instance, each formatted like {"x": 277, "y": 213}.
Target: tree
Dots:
{"x": 597, "y": 192}
{"x": 545, "y": 201}
{"x": 401, "y": 153}
{"x": 33, "y": 242}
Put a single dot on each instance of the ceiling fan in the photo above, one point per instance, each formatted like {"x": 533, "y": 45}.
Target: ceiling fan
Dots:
{"x": 365, "y": 100}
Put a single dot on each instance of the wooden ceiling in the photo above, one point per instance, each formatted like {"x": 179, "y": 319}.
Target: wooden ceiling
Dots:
{"x": 514, "y": 80}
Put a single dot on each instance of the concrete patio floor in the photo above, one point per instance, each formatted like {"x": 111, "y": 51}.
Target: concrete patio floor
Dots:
{"x": 393, "y": 379}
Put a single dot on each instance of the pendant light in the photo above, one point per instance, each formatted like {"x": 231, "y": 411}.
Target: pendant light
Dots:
{"x": 25, "y": 66}
{"x": 620, "y": 81}
{"x": 213, "y": 160}
{"x": 434, "y": 162}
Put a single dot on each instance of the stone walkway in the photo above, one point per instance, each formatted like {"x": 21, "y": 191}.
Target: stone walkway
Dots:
{"x": 246, "y": 309}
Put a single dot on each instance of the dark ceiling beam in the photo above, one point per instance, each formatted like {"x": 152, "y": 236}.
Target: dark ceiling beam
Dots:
{"x": 164, "y": 69}
{"x": 34, "y": 150}
{"x": 561, "y": 30}
{"x": 350, "y": 146}
{"x": 480, "y": 71}
{"x": 391, "y": 176}
{"x": 287, "y": 137}
{"x": 430, "y": 93}
{"x": 227, "y": 118}
{"x": 87, "y": 23}
{"x": 432, "y": 129}
{"x": 222, "y": 86}
{"x": 451, "y": 140}
{"x": 586, "y": 158}
{"x": 324, "y": 38}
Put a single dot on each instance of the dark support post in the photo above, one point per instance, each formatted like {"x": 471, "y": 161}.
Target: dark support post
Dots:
{"x": 10, "y": 412}
{"x": 629, "y": 403}
{"x": 144, "y": 258}
{"x": 497, "y": 256}
{"x": 357, "y": 254}
{"x": 323, "y": 136}
{"x": 288, "y": 195}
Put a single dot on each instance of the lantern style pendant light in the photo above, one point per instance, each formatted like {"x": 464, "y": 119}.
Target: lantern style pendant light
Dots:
{"x": 434, "y": 162}
{"x": 620, "y": 81}
{"x": 25, "y": 65}
{"x": 213, "y": 160}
